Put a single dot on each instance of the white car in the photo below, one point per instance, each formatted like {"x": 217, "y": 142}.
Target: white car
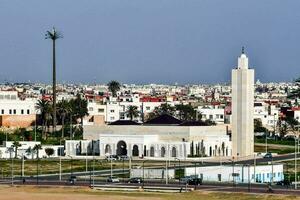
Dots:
{"x": 112, "y": 158}
{"x": 113, "y": 179}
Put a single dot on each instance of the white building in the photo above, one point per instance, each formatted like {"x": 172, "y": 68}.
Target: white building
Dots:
{"x": 155, "y": 140}
{"x": 213, "y": 114}
{"x": 242, "y": 108}
{"x": 26, "y": 149}
{"x": 242, "y": 173}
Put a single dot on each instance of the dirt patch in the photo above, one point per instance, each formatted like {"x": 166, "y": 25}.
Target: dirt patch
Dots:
{"x": 34, "y": 193}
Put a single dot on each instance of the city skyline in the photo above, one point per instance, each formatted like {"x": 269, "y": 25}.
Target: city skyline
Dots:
{"x": 149, "y": 42}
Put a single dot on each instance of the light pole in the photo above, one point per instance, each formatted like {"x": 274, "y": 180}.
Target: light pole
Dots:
{"x": 71, "y": 164}
{"x": 233, "y": 174}
{"x": 179, "y": 170}
{"x": 249, "y": 179}
{"x": 296, "y": 151}
{"x": 93, "y": 163}
{"x": 266, "y": 143}
{"x": 144, "y": 172}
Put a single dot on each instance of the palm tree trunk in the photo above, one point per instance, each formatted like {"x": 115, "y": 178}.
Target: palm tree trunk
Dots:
{"x": 16, "y": 152}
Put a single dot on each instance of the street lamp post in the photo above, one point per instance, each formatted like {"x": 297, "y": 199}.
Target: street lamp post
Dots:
{"x": 179, "y": 170}
{"x": 296, "y": 151}
{"x": 266, "y": 142}
{"x": 195, "y": 175}
{"x": 233, "y": 174}
{"x": 249, "y": 179}
{"x": 93, "y": 163}
{"x": 144, "y": 172}
{"x": 123, "y": 169}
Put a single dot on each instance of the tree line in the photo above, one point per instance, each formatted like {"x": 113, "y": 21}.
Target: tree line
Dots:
{"x": 70, "y": 111}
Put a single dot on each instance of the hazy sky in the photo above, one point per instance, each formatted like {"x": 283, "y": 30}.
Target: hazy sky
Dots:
{"x": 147, "y": 41}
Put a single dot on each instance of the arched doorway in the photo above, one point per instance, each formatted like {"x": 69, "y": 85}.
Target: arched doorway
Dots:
{"x": 107, "y": 149}
{"x": 162, "y": 152}
{"x": 121, "y": 148}
{"x": 210, "y": 151}
{"x": 135, "y": 150}
{"x": 174, "y": 152}
{"x": 151, "y": 151}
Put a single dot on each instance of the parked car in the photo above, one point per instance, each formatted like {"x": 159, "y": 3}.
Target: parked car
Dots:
{"x": 124, "y": 157}
{"x": 112, "y": 158}
{"x": 185, "y": 179}
{"x": 284, "y": 182}
{"x": 194, "y": 181}
{"x": 72, "y": 180}
{"x": 268, "y": 155}
{"x": 135, "y": 180}
{"x": 113, "y": 179}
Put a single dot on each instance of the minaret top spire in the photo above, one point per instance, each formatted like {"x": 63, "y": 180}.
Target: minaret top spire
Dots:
{"x": 243, "y": 50}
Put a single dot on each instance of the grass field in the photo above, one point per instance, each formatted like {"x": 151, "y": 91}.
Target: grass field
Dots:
{"x": 34, "y": 193}
{"x": 50, "y": 166}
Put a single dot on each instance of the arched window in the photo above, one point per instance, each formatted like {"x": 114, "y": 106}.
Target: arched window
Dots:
{"x": 151, "y": 151}
{"x": 174, "y": 154}
{"x": 135, "y": 150}
{"x": 210, "y": 151}
{"x": 162, "y": 152}
{"x": 107, "y": 149}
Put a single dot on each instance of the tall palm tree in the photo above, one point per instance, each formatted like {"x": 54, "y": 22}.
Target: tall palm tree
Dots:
{"x": 132, "y": 112}
{"x": 44, "y": 107}
{"x": 16, "y": 145}
{"x": 63, "y": 110}
{"x": 114, "y": 87}
{"x": 53, "y": 35}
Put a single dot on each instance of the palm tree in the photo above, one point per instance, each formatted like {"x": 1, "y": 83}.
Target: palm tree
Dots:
{"x": 53, "y": 35}
{"x": 132, "y": 112}
{"x": 30, "y": 151}
{"x": 79, "y": 108}
{"x": 63, "y": 110}
{"x": 16, "y": 145}
{"x": 113, "y": 87}
{"x": 44, "y": 107}
{"x": 37, "y": 148}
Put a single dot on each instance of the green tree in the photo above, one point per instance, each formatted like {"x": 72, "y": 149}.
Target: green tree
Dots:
{"x": 44, "y": 108}
{"x": 186, "y": 112}
{"x": 258, "y": 127}
{"x": 78, "y": 108}
{"x": 132, "y": 112}
{"x": 114, "y": 87}
{"x": 294, "y": 94}
{"x": 63, "y": 109}
{"x": 30, "y": 151}
{"x": 37, "y": 149}
{"x": 16, "y": 145}
{"x": 292, "y": 124}
{"x": 49, "y": 151}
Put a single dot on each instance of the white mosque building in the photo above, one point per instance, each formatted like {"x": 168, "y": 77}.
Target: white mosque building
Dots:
{"x": 162, "y": 137}
{"x": 166, "y": 136}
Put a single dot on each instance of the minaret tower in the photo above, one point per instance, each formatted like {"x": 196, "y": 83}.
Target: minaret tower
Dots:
{"x": 242, "y": 85}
